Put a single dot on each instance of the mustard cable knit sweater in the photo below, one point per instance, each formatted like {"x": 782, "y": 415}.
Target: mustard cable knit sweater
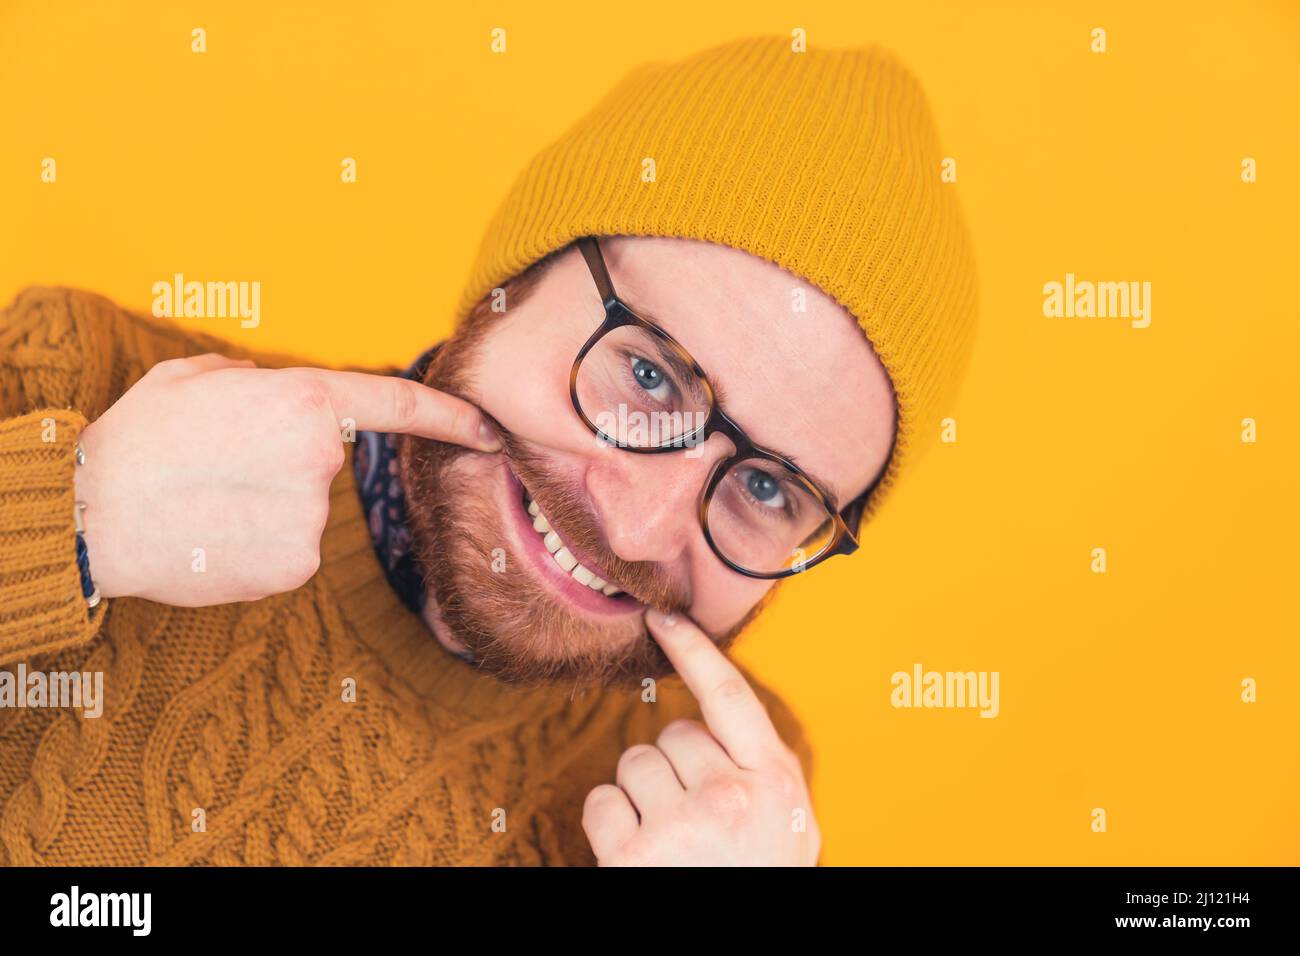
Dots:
{"x": 224, "y": 737}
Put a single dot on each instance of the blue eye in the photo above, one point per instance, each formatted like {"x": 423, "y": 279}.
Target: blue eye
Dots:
{"x": 649, "y": 376}
{"x": 761, "y": 486}
{"x": 764, "y": 489}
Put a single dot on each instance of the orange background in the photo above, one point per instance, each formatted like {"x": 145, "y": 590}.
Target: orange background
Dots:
{"x": 1119, "y": 691}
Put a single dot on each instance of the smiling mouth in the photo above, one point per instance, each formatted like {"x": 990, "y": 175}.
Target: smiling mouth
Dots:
{"x": 563, "y": 557}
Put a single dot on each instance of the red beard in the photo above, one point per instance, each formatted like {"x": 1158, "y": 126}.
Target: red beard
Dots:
{"x": 514, "y": 627}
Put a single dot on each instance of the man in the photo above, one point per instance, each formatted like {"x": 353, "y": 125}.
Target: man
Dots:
{"x": 441, "y": 638}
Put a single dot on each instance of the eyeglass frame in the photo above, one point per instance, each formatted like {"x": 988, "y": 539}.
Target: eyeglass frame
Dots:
{"x": 619, "y": 314}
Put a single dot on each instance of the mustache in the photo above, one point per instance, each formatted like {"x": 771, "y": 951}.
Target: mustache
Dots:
{"x": 572, "y": 516}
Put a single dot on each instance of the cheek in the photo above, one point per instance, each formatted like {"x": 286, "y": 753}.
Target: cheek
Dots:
{"x": 522, "y": 379}
{"x": 723, "y": 598}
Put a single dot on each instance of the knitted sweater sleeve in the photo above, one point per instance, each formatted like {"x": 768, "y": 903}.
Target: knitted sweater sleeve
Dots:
{"x": 65, "y": 357}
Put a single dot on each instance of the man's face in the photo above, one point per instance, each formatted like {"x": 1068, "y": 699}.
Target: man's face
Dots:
{"x": 805, "y": 384}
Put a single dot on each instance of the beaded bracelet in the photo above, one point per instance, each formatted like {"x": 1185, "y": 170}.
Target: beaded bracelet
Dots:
{"x": 88, "y": 589}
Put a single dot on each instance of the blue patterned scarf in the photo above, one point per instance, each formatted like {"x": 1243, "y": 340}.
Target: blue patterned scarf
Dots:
{"x": 374, "y": 463}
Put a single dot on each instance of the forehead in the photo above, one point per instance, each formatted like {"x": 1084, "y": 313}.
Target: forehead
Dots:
{"x": 796, "y": 371}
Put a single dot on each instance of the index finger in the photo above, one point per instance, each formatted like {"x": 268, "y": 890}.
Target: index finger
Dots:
{"x": 731, "y": 709}
{"x": 388, "y": 403}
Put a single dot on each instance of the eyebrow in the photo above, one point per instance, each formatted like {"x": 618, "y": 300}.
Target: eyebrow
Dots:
{"x": 684, "y": 372}
{"x": 719, "y": 393}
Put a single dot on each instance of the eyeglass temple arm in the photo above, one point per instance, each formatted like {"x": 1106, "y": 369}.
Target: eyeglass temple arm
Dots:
{"x": 853, "y": 511}
{"x": 596, "y": 263}
{"x": 852, "y": 514}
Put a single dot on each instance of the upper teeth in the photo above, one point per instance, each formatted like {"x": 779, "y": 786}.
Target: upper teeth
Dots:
{"x": 563, "y": 556}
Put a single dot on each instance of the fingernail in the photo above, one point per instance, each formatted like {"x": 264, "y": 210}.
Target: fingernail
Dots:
{"x": 659, "y": 617}
{"x": 488, "y": 438}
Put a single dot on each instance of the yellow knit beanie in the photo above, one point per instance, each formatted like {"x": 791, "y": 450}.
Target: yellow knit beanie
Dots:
{"x": 825, "y": 162}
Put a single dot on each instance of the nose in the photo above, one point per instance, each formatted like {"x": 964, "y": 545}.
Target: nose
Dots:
{"x": 648, "y": 505}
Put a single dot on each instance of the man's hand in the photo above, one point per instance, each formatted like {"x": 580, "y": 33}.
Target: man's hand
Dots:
{"x": 729, "y": 794}
{"x": 208, "y": 481}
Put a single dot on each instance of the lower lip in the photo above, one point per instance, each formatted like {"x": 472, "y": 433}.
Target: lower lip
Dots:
{"x": 564, "y": 586}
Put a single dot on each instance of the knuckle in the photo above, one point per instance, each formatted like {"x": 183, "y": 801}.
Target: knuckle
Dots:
{"x": 169, "y": 367}
{"x": 600, "y": 798}
{"x": 726, "y": 800}
{"x": 406, "y": 405}
{"x": 789, "y": 757}
{"x": 680, "y": 729}
{"x": 732, "y": 691}
{"x": 327, "y": 458}
{"x": 638, "y": 755}
{"x": 464, "y": 421}
{"x": 300, "y": 568}
{"x": 783, "y": 781}
{"x": 318, "y": 512}
{"x": 337, "y": 457}
{"x": 308, "y": 395}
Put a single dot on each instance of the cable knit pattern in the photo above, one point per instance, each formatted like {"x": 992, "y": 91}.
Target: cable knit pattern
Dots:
{"x": 226, "y": 738}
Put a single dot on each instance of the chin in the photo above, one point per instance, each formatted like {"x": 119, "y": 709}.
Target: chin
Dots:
{"x": 502, "y": 592}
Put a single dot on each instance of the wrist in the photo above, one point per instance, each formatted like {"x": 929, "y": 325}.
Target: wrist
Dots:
{"x": 93, "y": 522}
